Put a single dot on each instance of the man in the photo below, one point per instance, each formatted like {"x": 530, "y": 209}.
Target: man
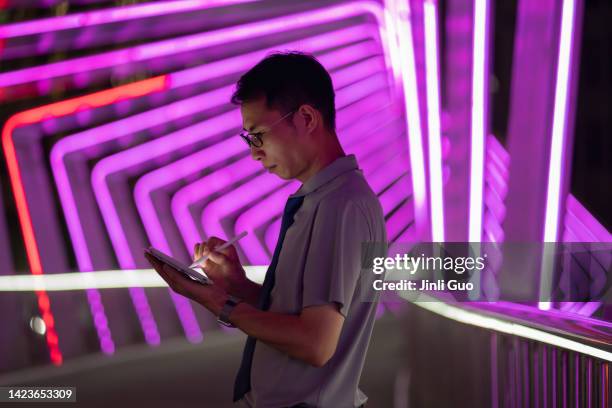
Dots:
{"x": 309, "y": 324}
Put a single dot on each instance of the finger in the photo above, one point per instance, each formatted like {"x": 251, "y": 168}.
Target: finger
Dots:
{"x": 214, "y": 242}
{"x": 229, "y": 252}
{"x": 180, "y": 283}
{"x": 153, "y": 261}
{"x": 197, "y": 250}
{"x": 166, "y": 279}
{"x": 165, "y": 270}
{"x": 218, "y": 257}
{"x": 159, "y": 268}
{"x": 173, "y": 274}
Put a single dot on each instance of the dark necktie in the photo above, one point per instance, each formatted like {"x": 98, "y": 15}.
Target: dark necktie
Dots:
{"x": 242, "y": 384}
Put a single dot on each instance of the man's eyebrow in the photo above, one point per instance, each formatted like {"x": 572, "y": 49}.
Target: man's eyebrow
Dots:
{"x": 250, "y": 129}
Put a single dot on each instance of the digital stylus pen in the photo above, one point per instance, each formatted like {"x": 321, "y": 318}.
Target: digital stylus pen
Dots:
{"x": 198, "y": 262}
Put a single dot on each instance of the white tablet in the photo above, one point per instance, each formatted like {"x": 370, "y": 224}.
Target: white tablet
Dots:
{"x": 179, "y": 266}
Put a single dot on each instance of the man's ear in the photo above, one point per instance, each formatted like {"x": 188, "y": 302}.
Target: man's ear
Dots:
{"x": 310, "y": 117}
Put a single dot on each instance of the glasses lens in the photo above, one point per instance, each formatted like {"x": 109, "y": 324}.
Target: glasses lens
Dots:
{"x": 256, "y": 140}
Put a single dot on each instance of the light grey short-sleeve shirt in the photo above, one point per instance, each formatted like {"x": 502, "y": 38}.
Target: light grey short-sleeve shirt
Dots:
{"x": 320, "y": 263}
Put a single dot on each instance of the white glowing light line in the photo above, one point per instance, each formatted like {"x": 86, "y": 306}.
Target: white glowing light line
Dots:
{"x": 463, "y": 316}
{"x": 433, "y": 122}
{"x": 142, "y": 278}
{"x": 478, "y": 119}
{"x": 555, "y": 167}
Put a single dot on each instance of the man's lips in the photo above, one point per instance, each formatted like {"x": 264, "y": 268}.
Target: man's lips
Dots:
{"x": 270, "y": 167}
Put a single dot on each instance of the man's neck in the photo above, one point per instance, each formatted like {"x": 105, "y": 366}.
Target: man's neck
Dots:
{"x": 324, "y": 159}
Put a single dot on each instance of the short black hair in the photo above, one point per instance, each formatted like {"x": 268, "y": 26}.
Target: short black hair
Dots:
{"x": 288, "y": 80}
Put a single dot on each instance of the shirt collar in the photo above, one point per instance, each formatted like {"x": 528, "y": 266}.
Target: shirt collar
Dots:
{"x": 339, "y": 166}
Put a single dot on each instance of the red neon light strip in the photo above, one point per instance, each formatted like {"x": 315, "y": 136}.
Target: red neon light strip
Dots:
{"x": 29, "y": 117}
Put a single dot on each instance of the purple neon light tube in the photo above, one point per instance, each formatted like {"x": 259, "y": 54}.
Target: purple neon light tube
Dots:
{"x": 479, "y": 108}
{"x": 412, "y": 111}
{"x": 110, "y": 15}
{"x": 558, "y": 139}
{"x": 190, "y": 43}
{"x": 433, "y": 120}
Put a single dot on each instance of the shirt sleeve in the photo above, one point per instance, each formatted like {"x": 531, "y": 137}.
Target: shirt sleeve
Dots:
{"x": 333, "y": 264}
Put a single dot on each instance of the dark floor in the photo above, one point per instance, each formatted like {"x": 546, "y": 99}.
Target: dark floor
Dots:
{"x": 183, "y": 375}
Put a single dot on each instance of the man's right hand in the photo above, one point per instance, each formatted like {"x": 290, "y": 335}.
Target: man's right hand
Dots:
{"x": 223, "y": 267}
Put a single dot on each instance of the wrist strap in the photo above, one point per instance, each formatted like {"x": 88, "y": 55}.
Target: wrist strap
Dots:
{"x": 229, "y": 305}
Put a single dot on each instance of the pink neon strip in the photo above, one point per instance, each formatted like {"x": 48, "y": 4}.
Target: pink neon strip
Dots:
{"x": 495, "y": 181}
{"x": 498, "y": 152}
{"x": 478, "y": 122}
{"x": 191, "y": 43}
{"x": 241, "y": 63}
{"x": 110, "y": 15}
{"x": 433, "y": 121}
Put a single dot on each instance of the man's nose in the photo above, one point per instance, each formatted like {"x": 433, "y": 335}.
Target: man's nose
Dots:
{"x": 257, "y": 153}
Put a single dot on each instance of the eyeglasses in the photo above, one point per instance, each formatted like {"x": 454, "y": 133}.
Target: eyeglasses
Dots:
{"x": 254, "y": 139}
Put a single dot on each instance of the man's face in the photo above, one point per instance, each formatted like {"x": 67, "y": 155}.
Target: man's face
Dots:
{"x": 285, "y": 150}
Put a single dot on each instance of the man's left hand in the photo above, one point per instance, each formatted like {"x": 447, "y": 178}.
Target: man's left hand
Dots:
{"x": 211, "y": 297}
